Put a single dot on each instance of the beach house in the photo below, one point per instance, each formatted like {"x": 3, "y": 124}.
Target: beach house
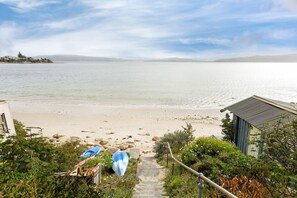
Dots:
{"x": 250, "y": 116}
{"x": 6, "y": 121}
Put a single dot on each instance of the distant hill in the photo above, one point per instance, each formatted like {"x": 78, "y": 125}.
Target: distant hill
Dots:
{"x": 77, "y": 58}
{"x": 271, "y": 58}
{"x": 173, "y": 60}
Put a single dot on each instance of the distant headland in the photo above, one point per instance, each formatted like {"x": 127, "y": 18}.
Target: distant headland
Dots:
{"x": 286, "y": 58}
{"x": 23, "y": 59}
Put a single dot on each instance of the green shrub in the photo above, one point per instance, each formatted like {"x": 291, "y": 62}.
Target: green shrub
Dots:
{"x": 28, "y": 162}
{"x": 177, "y": 140}
{"x": 208, "y": 146}
{"x": 182, "y": 184}
{"x": 176, "y": 182}
{"x": 214, "y": 157}
{"x": 220, "y": 159}
{"x": 92, "y": 162}
{"x": 104, "y": 159}
{"x": 119, "y": 187}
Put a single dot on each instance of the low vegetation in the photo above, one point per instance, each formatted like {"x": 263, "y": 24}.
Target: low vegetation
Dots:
{"x": 23, "y": 59}
{"x": 177, "y": 140}
{"x": 28, "y": 163}
{"x": 119, "y": 187}
{"x": 273, "y": 174}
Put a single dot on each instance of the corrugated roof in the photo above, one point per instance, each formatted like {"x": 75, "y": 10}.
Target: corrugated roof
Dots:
{"x": 258, "y": 111}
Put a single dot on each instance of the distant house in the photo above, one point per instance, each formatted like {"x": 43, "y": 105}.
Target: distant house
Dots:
{"x": 6, "y": 121}
{"x": 250, "y": 116}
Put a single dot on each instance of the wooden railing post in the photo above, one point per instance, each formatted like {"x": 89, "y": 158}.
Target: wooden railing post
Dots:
{"x": 100, "y": 173}
{"x": 200, "y": 186}
{"x": 97, "y": 175}
{"x": 167, "y": 151}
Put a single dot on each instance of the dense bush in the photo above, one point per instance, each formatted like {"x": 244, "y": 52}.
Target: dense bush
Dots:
{"x": 224, "y": 164}
{"x": 104, "y": 158}
{"x": 216, "y": 159}
{"x": 203, "y": 147}
{"x": 67, "y": 154}
{"x": 28, "y": 162}
{"x": 177, "y": 140}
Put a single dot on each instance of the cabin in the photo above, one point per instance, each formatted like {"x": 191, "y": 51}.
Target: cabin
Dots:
{"x": 255, "y": 114}
{"x": 6, "y": 121}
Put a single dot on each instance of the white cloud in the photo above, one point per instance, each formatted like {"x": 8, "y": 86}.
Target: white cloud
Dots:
{"x": 141, "y": 28}
{"x": 212, "y": 41}
{"x": 87, "y": 42}
{"x": 26, "y": 5}
{"x": 107, "y": 32}
{"x": 271, "y": 16}
{"x": 254, "y": 38}
{"x": 8, "y": 33}
{"x": 65, "y": 24}
{"x": 288, "y": 4}
{"x": 281, "y": 34}
{"x": 248, "y": 40}
{"x": 105, "y": 4}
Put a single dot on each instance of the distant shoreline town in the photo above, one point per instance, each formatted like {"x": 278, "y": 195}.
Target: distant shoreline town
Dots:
{"x": 23, "y": 59}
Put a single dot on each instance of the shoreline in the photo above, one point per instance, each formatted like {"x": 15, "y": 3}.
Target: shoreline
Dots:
{"x": 114, "y": 124}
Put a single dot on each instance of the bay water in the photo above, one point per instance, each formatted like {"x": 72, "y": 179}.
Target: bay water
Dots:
{"x": 176, "y": 84}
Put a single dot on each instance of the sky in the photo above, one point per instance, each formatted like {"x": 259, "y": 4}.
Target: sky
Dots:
{"x": 197, "y": 29}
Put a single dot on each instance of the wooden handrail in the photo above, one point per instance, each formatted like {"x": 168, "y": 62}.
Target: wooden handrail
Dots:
{"x": 200, "y": 176}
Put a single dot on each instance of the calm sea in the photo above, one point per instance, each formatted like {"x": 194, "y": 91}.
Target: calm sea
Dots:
{"x": 187, "y": 85}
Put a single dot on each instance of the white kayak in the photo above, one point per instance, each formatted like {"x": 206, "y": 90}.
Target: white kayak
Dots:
{"x": 120, "y": 162}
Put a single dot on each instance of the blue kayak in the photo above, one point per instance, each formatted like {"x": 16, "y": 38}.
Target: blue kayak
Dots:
{"x": 91, "y": 152}
{"x": 120, "y": 162}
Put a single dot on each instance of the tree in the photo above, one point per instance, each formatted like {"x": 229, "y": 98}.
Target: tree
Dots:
{"x": 280, "y": 151}
{"x": 21, "y": 56}
{"x": 280, "y": 142}
{"x": 227, "y": 126}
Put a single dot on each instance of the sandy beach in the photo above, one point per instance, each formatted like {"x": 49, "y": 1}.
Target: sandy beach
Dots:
{"x": 115, "y": 123}
{"x": 115, "y": 100}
